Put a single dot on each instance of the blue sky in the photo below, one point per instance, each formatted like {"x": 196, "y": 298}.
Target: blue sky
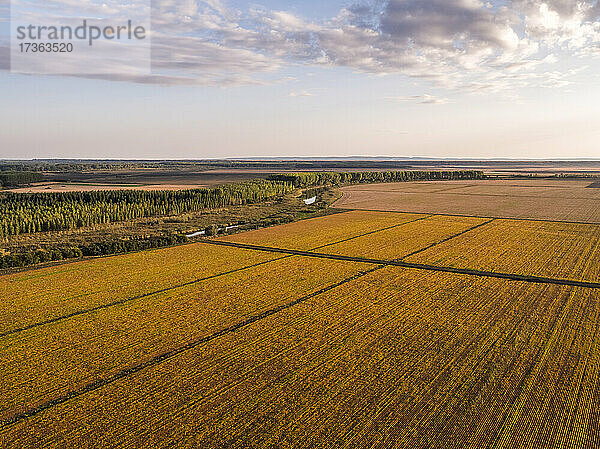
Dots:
{"x": 435, "y": 78}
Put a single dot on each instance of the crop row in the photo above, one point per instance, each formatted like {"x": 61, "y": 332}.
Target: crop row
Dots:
{"x": 43, "y": 363}
{"x": 397, "y": 358}
{"x": 560, "y": 250}
{"x": 44, "y": 294}
{"x": 307, "y": 234}
{"x": 47, "y": 293}
{"x": 47, "y": 359}
{"x": 401, "y": 241}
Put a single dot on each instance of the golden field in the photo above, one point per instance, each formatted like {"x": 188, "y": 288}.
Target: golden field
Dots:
{"x": 310, "y": 352}
{"x": 397, "y": 358}
{"x": 50, "y": 360}
{"x": 67, "y": 288}
{"x": 71, "y": 287}
{"x": 559, "y": 250}
{"x": 401, "y": 241}
{"x": 317, "y": 232}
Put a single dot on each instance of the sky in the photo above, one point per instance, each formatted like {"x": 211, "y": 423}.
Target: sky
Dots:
{"x": 273, "y": 78}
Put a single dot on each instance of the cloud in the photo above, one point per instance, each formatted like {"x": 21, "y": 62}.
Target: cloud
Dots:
{"x": 446, "y": 24}
{"x": 423, "y": 99}
{"x": 461, "y": 45}
{"x": 303, "y": 93}
{"x": 561, "y": 23}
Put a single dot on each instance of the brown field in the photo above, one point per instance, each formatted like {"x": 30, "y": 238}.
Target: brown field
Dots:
{"x": 285, "y": 351}
{"x": 57, "y": 187}
{"x": 150, "y": 176}
{"x": 540, "y": 199}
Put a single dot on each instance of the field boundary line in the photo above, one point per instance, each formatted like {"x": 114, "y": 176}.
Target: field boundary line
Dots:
{"x": 436, "y": 214}
{"x": 453, "y": 188}
{"x": 447, "y": 239}
{"x": 418, "y": 266}
{"x": 133, "y": 298}
{"x": 160, "y": 358}
{"x": 187, "y": 284}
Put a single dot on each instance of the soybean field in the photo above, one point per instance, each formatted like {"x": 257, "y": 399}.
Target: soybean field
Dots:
{"x": 358, "y": 329}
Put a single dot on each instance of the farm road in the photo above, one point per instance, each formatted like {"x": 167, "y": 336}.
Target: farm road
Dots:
{"x": 418, "y": 266}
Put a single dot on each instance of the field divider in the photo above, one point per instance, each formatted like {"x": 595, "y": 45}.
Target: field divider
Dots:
{"x": 133, "y": 298}
{"x": 437, "y": 214}
{"x": 418, "y": 266}
{"x": 447, "y": 239}
{"x": 160, "y": 358}
{"x": 187, "y": 284}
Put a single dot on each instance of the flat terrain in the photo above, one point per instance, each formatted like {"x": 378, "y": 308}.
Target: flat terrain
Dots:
{"x": 359, "y": 329}
{"x": 51, "y": 187}
{"x": 540, "y": 199}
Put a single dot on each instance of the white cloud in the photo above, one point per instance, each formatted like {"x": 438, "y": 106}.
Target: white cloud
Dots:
{"x": 423, "y": 99}
{"x": 303, "y": 93}
{"x": 560, "y": 23}
{"x": 464, "y": 45}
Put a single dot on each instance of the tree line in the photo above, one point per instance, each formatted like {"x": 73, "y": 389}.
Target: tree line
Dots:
{"x": 17, "y": 178}
{"x": 22, "y": 213}
{"x": 40, "y": 212}
{"x": 108, "y": 247}
{"x": 116, "y": 245}
{"x": 341, "y": 178}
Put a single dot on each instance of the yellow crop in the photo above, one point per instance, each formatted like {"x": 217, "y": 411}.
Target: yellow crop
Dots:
{"x": 311, "y": 352}
{"x": 398, "y": 358}
{"x": 562, "y": 250}
{"x": 42, "y": 363}
{"x": 47, "y": 293}
{"x": 307, "y": 234}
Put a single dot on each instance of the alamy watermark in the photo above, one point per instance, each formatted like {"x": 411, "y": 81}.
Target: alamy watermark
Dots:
{"x": 48, "y": 40}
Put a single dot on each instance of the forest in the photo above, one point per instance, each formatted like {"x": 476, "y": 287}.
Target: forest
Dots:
{"x": 343, "y": 178}
{"x": 22, "y": 213}
{"x": 17, "y": 178}
{"x": 27, "y": 213}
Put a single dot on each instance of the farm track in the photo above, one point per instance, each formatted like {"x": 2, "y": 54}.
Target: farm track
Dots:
{"x": 174, "y": 352}
{"x": 186, "y": 284}
{"x": 447, "y": 239}
{"x": 435, "y": 214}
{"x": 418, "y": 266}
